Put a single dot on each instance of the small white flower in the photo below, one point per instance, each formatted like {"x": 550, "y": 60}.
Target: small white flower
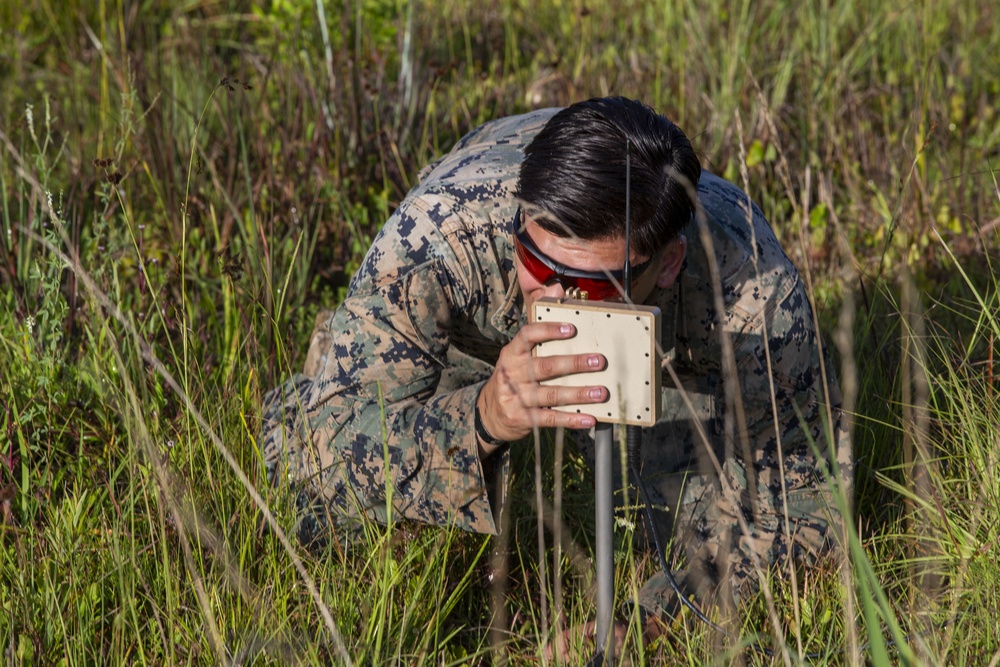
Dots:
{"x": 29, "y": 115}
{"x": 622, "y": 522}
{"x": 31, "y": 324}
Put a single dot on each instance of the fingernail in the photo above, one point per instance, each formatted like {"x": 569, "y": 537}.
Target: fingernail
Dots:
{"x": 597, "y": 392}
{"x": 565, "y": 328}
{"x": 594, "y": 361}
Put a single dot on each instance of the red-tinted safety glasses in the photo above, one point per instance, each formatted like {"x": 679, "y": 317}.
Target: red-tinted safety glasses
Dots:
{"x": 597, "y": 284}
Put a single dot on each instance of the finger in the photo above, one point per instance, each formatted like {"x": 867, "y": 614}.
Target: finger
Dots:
{"x": 560, "y": 365}
{"x": 554, "y": 396}
{"x": 546, "y": 418}
{"x": 538, "y": 332}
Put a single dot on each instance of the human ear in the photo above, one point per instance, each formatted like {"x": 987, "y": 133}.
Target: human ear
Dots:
{"x": 672, "y": 261}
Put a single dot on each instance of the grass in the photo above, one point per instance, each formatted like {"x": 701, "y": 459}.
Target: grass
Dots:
{"x": 185, "y": 187}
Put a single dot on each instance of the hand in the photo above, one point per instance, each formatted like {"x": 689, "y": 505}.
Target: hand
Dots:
{"x": 513, "y": 402}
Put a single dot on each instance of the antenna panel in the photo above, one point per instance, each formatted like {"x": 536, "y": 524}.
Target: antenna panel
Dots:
{"x": 627, "y": 336}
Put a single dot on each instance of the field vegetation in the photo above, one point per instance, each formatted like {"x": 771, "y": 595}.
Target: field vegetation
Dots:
{"x": 185, "y": 185}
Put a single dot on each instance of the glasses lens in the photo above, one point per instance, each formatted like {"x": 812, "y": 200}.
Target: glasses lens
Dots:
{"x": 597, "y": 289}
{"x": 533, "y": 263}
{"x": 597, "y": 285}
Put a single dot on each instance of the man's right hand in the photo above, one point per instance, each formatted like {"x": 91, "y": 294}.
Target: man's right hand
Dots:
{"x": 513, "y": 401}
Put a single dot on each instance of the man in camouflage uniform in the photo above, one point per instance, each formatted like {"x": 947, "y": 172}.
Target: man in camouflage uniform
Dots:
{"x": 414, "y": 387}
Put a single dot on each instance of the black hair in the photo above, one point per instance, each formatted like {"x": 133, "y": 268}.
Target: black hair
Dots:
{"x": 572, "y": 178}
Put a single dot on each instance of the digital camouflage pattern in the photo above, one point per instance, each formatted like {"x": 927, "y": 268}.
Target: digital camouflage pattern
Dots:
{"x": 393, "y": 374}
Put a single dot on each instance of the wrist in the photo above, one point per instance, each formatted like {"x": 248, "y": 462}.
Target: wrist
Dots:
{"x": 488, "y": 443}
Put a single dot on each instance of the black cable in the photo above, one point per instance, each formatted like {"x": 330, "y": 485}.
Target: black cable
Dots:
{"x": 661, "y": 554}
{"x": 627, "y": 268}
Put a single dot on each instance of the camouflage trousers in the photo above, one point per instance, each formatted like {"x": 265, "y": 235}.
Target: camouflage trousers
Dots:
{"x": 728, "y": 528}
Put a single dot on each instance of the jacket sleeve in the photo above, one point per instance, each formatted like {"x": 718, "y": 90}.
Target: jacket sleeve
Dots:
{"x": 376, "y": 422}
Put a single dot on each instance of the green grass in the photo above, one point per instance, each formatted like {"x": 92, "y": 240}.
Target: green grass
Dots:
{"x": 149, "y": 301}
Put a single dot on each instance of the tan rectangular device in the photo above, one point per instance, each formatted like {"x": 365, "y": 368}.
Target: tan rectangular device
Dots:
{"x": 627, "y": 337}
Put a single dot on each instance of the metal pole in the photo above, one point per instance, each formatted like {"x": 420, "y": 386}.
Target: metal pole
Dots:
{"x": 603, "y": 483}
{"x": 604, "y": 520}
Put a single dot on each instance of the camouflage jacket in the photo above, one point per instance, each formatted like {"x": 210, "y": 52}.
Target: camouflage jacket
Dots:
{"x": 394, "y": 373}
